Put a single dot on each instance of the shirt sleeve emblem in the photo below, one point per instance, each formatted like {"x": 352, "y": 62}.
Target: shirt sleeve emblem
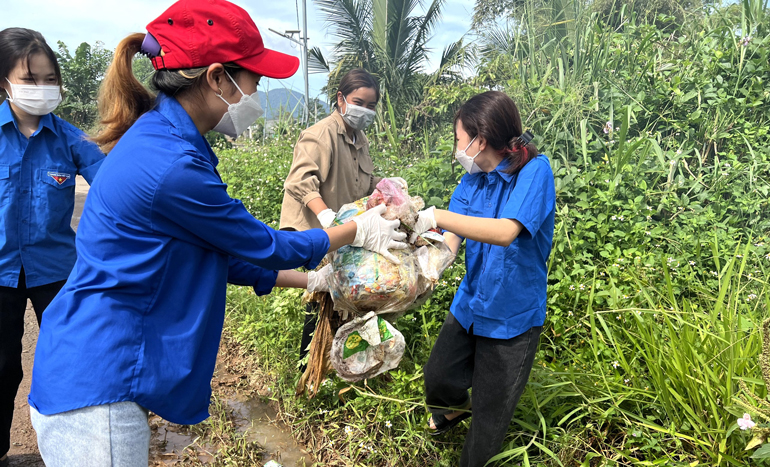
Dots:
{"x": 59, "y": 177}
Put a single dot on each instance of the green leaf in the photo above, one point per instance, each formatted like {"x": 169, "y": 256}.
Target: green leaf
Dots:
{"x": 762, "y": 453}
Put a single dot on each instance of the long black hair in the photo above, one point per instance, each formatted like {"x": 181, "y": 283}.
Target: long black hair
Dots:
{"x": 495, "y": 117}
{"x": 19, "y": 45}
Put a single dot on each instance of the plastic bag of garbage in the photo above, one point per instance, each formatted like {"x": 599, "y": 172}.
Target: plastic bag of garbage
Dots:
{"x": 366, "y": 347}
{"x": 397, "y": 201}
{"x": 433, "y": 259}
{"x": 364, "y": 281}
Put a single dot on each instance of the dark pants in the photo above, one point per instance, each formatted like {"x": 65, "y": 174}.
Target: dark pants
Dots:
{"x": 311, "y": 319}
{"x": 13, "y": 304}
{"x": 497, "y": 369}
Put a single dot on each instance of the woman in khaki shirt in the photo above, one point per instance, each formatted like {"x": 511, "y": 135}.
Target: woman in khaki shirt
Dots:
{"x": 332, "y": 166}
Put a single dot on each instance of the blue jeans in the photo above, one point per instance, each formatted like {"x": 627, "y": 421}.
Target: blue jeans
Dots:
{"x": 110, "y": 435}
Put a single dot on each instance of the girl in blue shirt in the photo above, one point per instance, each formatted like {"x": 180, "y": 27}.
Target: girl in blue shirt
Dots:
{"x": 40, "y": 156}
{"x": 137, "y": 325}
{"x": 504, "y": 209}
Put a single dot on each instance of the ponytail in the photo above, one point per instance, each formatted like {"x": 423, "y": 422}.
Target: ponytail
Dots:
{"x": 518, "y": 153}
{"x": 122, "y": 98}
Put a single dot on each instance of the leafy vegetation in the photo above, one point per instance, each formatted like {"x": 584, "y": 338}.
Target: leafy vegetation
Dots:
{"x": 658, "y": 136}
{"x": 81, "y": 75}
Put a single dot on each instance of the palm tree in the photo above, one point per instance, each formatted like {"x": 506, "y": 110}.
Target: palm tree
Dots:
{"x": 387, "y": 38}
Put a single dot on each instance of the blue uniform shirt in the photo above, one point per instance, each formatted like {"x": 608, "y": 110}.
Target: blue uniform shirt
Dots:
{"x": 37, "y": 197}
{"x": 503, "y": 293}
{"x": 141, "y": 315}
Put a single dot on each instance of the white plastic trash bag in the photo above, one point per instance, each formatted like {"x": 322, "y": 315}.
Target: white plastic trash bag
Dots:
{"x": 366, "y": 347}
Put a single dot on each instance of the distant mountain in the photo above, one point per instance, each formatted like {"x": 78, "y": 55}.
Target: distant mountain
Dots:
{"x": 285, "y": 100}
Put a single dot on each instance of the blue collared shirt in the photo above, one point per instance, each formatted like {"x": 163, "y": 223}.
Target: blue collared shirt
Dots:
{"x": 141, "y": 315}
{"x": 37, "y": 197}
{"x": 503, "y": 293}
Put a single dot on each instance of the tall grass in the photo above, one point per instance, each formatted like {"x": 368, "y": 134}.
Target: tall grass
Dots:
{"x": 657, "y": 278}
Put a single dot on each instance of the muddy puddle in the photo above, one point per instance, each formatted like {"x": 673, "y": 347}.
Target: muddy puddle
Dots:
{"x": 253, "y": 419}
{"x": 173, "y": 445}
{"x": 257, "y": 421}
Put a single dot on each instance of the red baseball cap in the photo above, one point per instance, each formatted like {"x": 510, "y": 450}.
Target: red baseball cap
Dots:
{"x": 197, "y": 33}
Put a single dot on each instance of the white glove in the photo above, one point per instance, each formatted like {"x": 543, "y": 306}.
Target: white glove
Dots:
{"x": 426, "y": 220}
{"x": 378, "y": 234}
{"x": 319, "y": 281}
{"x": 326, "y": 218}
{"x": 399, "y": 181}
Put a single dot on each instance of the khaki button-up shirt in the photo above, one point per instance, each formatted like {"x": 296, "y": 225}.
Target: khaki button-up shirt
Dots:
{"x": 328, "y": 165}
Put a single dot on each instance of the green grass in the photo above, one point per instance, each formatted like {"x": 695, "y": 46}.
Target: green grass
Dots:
{"x": 658, "y": 274}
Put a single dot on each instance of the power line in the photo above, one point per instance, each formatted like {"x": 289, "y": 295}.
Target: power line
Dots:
{"x": 296, "y": 7}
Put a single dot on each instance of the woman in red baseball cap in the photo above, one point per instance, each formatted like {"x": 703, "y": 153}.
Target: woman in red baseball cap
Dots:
{"x": 138, "y": 323}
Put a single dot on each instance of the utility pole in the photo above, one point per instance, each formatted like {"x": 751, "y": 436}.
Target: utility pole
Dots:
{"x": 302, "y": 42}
{"x": 267, "y": 113}
{"x": 304, "y": 62}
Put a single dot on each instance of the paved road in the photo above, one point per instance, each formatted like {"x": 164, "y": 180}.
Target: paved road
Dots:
{"x": 23, "y": 440}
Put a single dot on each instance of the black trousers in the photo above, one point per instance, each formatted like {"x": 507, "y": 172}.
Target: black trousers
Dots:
{"x": 497, "y": 369}
{"x": 13, "y": 304}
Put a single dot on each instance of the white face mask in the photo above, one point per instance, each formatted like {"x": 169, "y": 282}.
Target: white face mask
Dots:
{"x": 34, "y": 99}
{"x": 466, "y": 161}
{"x": 356, "y": 116}
{"x": 241, "y": 115}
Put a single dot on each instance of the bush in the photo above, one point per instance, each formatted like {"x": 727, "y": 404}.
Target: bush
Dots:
{"x": 658, "y": 274}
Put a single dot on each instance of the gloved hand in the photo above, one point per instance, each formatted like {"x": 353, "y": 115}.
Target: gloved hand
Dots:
{"x": 318, "y": 281}
{"x": 399, "y": 181}
{"x": 426, "y": 220}
{"x": 378, "y": 234}
{"x": 326, "y": 218}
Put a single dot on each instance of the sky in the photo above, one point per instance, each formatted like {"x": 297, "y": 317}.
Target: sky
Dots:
{"x": 109, "y": 21}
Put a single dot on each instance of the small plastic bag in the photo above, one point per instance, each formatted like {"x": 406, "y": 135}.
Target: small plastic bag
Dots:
{"x": 366, "y": 347}
{"x": 432, "y": 260}
{"x": 397, "y": 201}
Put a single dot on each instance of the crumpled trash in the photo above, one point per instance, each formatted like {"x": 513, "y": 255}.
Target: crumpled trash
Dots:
{"x": 432, "y": 260}
{"x": 363, "y": 281}
{"x": 366, "y": 347}
{"x": 397, "y": 201}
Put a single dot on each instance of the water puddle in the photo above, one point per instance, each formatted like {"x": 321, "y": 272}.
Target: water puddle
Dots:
{"x": 253, "y": 419}
{"x": 257, "y": 421}
{"x": 173, "y": 445}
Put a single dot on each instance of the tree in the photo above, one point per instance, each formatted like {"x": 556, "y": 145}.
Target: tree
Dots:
{"x": 81, "y": 77}
{"x": 389, "y": 40}
{"x": 143, "y": 70}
